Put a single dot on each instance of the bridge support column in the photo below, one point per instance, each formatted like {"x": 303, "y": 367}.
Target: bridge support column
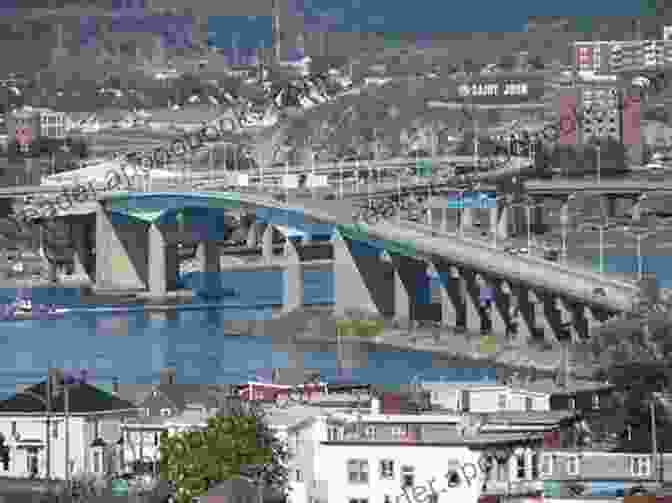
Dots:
{"x": 516, "y": 304}
{"x": 121, "y": 258}
{"x": 585, "y": 322}
{"x": 209, "y": 257}
{"x": 566, "y": 320}
{"x": 361, "y": 279}
{"x": 474, "y": 314}
{"x": 444, "y": 219}
{"x": 411, "y": 289}
{"x": 162, "y": 263}
{"x": 80, "y": 232}
{"x": 452, "y": 313}
{"x": 467, "y": 216}
{"x": 293, "y": 291}
{"x": 267, "y": 244}
{"x": 542, "y": 323}
{"x": 498, "y": 309}
{"x": 609, "y": 206}
{"x": 503, "y": 221}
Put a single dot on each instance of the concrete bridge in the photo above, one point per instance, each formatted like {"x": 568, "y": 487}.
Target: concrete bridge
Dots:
{"x": 383, "y": 268}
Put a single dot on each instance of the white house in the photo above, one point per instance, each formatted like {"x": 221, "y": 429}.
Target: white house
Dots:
{"x": 486, "y": 397}
{"x": 365, "y": 458}
{"x": 94, "y": 425}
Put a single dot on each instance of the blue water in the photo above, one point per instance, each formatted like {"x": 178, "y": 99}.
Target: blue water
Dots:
{"x": 627, "y": 264}
{"x": 133, "y": 345}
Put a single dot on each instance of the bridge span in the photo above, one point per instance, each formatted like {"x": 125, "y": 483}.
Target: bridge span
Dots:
{"x": 383, "y": 268}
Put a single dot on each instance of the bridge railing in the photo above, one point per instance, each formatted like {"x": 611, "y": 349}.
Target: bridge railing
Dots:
{"x": 525, "y": 258}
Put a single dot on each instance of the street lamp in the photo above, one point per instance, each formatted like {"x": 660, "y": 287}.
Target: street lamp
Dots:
{"x": 639, "y": 237}
{"x": 599, "y": 163}
{"x": 564, "y": 221}
{"x": 601, "y": 228}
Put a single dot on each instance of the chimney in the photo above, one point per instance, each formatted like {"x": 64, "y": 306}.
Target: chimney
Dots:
{"x": 168, "y": 375}
{"x": 115, "y": 386}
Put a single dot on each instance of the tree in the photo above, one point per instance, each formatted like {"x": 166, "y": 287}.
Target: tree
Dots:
{"x": 236, "y": 442}
{"x": 634, "y": 354}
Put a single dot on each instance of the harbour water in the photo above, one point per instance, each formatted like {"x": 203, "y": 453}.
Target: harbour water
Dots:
{"x": 133, "y": 344}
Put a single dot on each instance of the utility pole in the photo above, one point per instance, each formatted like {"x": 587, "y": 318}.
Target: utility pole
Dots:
{"x": 654, "y": 442}
{"x": 50, "y": 378}
{"x": 66, "y": 391}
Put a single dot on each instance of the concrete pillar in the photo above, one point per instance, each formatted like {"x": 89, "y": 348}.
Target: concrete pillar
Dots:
{"x": 494, "y": 220}
{"x": 411, "y": 288}
{"x": 361, "y": 279}
{"x": 451, "y": 301}
{"x": 503, "y": 223}
{"x": 470, "y": 292}
{"x": 498, "y": 312}
{"x": 121, "y": 252}
{"x": 520, "y": 317}
{"x": 537, "y": 219}
{"x": 162, "y": 263}
{"x": 79, "y": 236}
{"x": 467, "y": 217}
{"x": 609, "y": 205}
{"x": 584, "y": 322}
{"x": 444, "y": 219}
{"x": 267, "y": 244}
{"x": 293, "y": 291}
{"x": 542, "y": 326}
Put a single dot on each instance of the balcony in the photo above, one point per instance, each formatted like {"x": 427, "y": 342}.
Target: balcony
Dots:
{"x": 519, "y": 487}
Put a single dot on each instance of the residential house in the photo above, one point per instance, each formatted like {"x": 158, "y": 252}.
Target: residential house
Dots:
{"x": 486, "y": 397}
{"x": 95, "y": 419}
{"x": 587, "y": 472}
{"x": 358, "y": 467}
{"x": 168, "y": 407}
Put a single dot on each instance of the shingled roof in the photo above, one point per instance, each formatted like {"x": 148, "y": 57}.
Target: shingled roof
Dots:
{"x": 84, "y": 399}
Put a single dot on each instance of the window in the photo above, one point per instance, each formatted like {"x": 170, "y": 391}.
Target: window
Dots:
{"x": 572, "y": 404}
{"x": 165, "y": 412}
{"x": 333, "y": 434}
{"x": 520, "y": 466}
{"x": 358, "y": 500}
{"x": 147, "y": 412}
{"x": 596, "y": 401}
{"x": 528, "y": 403}
{"x": 407, "y": 476}
{"x": 640, "y": 466}
{"x": 400, "y": 430}
{"x": 572, "y": 465}
{"x": 546, "y": 465}
{"x": 299, "y": 476}
{"x": 358, "y": 471}
{"x": 386, "y": 469}
{"x": 96, "y": 432}
{"x": 14, "y": 432}
{"x": 387, "y": 499}
{"x": 464, "y": 401}
{"x": 370, "y": 432}
{"x": 501, "y": 401}
{"x": 54, "y": 430}
{"x": 535, "y": 466}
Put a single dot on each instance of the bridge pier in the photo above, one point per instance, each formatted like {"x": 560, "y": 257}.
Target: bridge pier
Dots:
{"x": 411, "y": 288}
{"x": 516, "y": 305}
{"x": 162, "y": 263}
{"x": 466, "y": 219}
{"x": 293, "y": 284}
{"x": 121, "y": 258}
{"x": 451, "y": 301}
{"x": 361, "y": 279}
{"x": 609, "y": 206}
{"x": 83, "y": 258}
